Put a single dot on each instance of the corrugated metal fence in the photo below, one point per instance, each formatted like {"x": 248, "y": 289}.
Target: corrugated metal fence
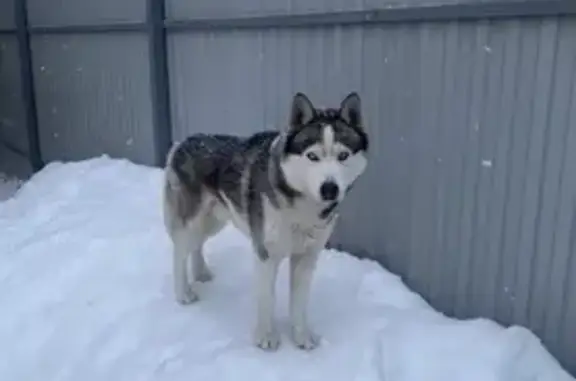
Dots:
{"x": 470, "y": 194}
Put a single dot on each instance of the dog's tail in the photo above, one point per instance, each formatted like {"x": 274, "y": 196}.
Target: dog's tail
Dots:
{"x": 181, "y": 192}
{"x": 171, "y": 176}
{"x": 181, "y": 170}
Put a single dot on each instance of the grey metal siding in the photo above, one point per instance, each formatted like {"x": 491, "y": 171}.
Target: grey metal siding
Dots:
{"x": 468, "y": 194}
{"x": 75, "y": 12}
{"x": 478, "y": 211}
{"x": 210, "y": 96}
{"x": 12, "y": 121}
{"x": 13, "y": 164}
{"x": 7, "y": 14}
{"x": 93, "y": 96}
{"x": 243, "y": 81}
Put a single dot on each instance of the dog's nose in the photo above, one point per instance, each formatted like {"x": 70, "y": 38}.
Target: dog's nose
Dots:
{"x": 329, "y": 191}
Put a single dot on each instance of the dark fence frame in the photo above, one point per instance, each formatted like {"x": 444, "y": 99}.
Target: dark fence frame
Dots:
{"x": 157, "y": 27}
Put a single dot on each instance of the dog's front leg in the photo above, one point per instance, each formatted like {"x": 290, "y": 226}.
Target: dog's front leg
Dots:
{"x": 266, "y": 335}
{"x": 301, "y": 271}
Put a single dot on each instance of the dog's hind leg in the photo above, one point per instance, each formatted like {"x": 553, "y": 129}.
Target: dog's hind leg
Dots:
{"x": 188, "y": 220}
{"x": 185, "y": 243}
{"x": 210, "y": 226}
{"x": 200, "y": 270}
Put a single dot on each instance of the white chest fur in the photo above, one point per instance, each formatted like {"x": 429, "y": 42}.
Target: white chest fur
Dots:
{"x": 295, "y": 230}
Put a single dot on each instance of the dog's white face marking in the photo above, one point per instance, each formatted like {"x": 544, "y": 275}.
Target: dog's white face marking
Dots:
{"x": 326, "y": 162}
{"x": 328, "y": 139}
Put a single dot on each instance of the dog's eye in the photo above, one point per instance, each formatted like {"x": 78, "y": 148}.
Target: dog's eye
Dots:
{"x": 343, "y": 156}
{"x": 312, "y": 156}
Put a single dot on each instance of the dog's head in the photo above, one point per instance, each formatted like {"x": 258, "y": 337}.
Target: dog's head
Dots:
{"x": 324, "y": 150}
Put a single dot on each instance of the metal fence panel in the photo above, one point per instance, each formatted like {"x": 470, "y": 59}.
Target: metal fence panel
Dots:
{"x": 74, "y": 12}
{"x": 517, "y": 166}
{"x": 12, "y": 118}
{"x": 471, "y": 148}
{"x": 549, "y": 204}
{"x": 212, "y": 96}
{"x": 485, "y": 192}
{"x": 7, "y": 14}
{"x": 243, "y": 81}
{"x": 93, "y": 96}
{"x": 555, "y": 288}
{"x": 14, "y": 164}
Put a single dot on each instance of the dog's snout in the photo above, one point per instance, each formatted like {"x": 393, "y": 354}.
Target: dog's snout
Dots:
{"x": 329, "y": 191}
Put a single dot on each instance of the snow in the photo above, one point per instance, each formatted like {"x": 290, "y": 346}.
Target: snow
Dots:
{"x": 86, "y": 294}
{"x": 487, "y": 163}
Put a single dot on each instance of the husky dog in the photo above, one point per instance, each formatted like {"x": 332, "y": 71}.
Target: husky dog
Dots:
{"x": 282, "y": 189}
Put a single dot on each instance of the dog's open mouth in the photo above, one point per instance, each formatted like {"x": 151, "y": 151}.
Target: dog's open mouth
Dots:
{"x": 327, "y": 212}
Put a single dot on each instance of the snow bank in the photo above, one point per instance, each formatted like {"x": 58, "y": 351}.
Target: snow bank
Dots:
{"x": 86, "y": 294}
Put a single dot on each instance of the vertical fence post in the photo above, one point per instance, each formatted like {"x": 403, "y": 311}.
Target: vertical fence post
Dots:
{"x": 159, "y": 79}
{"x": 27, "y": 83}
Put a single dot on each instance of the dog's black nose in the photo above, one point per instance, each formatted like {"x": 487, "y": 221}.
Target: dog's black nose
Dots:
{"x": 329, "y": 191}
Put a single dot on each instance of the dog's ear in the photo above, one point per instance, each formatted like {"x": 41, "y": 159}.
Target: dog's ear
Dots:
{"x": 350, "y": 110}
{"x": 302, "y": 111}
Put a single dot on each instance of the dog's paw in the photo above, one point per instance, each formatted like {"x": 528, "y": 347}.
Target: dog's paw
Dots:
{"x": 305, "y": 339}
{"x": 267, "y": 340}
{"x": 204, "y": 276}
{"x": 187, "y": 296}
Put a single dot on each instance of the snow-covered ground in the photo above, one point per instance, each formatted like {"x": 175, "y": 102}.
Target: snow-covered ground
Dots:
{"x": 85, "y": 294}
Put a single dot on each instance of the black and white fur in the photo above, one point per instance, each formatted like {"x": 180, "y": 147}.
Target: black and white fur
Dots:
{"x": 280, "y": 188}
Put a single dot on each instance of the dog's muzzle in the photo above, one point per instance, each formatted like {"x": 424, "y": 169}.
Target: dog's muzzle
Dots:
{"x": 329, "y": 191}
{"x": 327, "y": 212}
